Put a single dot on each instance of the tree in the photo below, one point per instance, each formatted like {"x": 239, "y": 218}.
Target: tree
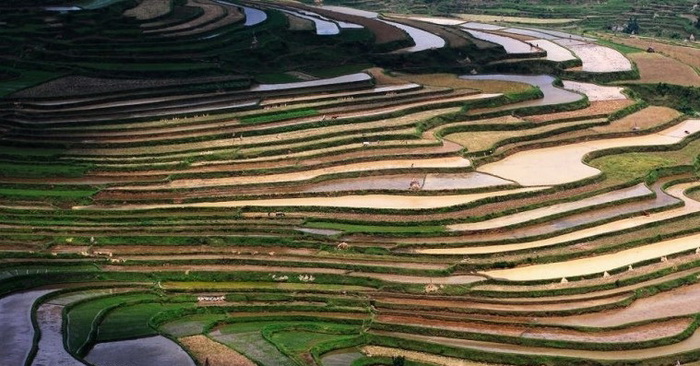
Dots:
{"x": 632, "y": 26}
{"x": 398, "y": 361}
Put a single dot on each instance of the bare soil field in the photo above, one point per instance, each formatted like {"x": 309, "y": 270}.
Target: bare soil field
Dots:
{"x": 212, "y": 11}
{"x": 676, "y": 302}
{"x": 641, "y": 333}
{"x": 484, "y": 140}
{"x": 149, "y": 9}
{"x": 597, "y": 108}
{"x": 210, "y": 352}
{"x": 378, "y": 351}
{"x": 85, "y": 85}
{"x": 644, "y": 119}
{"x": 658, "y": 68}
{"x": 453, "y": 81}
{"x": 687, "y": 55}
{"x": 299, "y": 24}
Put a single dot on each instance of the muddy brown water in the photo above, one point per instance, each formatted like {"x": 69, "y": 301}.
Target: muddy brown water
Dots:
{"x": 428, "y": 182}
{"x": 343, "y": 357}
{"x": 544, "y": 166}
{"x": 376, "y": 201}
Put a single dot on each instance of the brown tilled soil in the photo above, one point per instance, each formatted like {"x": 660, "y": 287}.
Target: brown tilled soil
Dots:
{"x": 212, "y": 11}
{"x": 677, "y": 302}
{"x": 687, "y": 55}
{"x": 452, "y": 81}
{"x": 85, "y": 85}
{"x": 461, "y": 214}
{"x": 210, "y": 352}
{"x": 658, "y": 68}
{"x": 514, "y": 308}
{"x": 647, "y": 118}
{"x": 641, "y": 333}
{"x": 597, "y": 108}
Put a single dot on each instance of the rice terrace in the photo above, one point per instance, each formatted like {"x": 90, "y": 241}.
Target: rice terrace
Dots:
{"x": 349, "y": 182}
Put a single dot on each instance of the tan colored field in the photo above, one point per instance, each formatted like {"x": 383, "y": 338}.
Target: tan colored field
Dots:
{"x": 373, "y": 201}
{"x": 211, "y": 12}
{"x": 383, "y": 78}
{"x": 687, "y": 55}
{"x": 209, "y": 352}
{"x": 596, "y": 108}
{"x": 448, "y": 162}
{"x": 483, "y": 140}
{"x": 646, "y": 118}
{"x": 657, "y": 68}
{"x": 299, "y": 24}
{"x": 497, "y": 18}
{"x": 452, "y": 81}
{"x": 149, "y": 9}
{"x": 427, "y": 358}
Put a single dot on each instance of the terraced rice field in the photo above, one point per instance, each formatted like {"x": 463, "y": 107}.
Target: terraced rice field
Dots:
{"x": 351, "y": 188}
